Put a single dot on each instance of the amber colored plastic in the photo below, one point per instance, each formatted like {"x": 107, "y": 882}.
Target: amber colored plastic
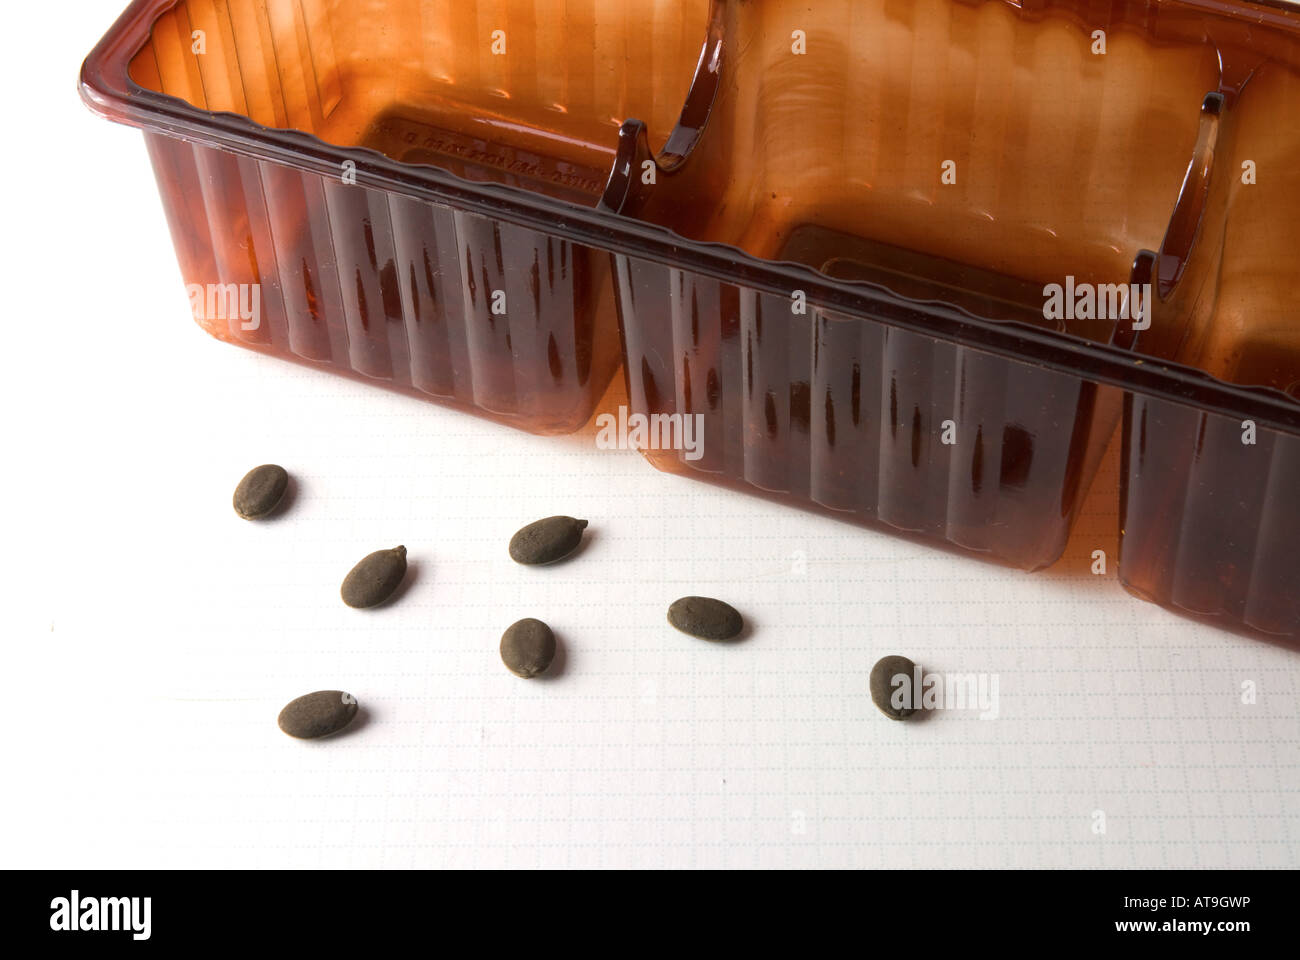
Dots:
{"x": 1210, "y": 514}
{"x": 832, "y": 158}
{"x": 429, "y": 298}
{"x": 826, "y": 229}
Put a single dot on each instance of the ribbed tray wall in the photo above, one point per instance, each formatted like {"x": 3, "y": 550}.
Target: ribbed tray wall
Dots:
{"x": 1210, "y": 524}
{"x": 846, "y": 415}
{"x": 394, "y": 289}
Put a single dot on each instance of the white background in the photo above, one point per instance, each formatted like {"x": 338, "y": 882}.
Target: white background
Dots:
{"x": 150, "y": 637}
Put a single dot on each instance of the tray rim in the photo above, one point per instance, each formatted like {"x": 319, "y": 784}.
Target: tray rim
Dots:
{"x": 107, "y": 89}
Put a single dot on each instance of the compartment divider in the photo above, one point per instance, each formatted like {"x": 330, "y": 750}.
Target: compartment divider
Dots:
{"x": 1184, "y": 272}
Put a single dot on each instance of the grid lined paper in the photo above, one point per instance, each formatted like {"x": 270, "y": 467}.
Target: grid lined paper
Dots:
{"x": 645, "y": 747}
{"x": 152, "y": 636}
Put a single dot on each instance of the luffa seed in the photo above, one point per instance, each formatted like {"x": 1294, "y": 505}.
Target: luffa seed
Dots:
{"x": 318, "y": 714}
{"x": 261, "y": 491}
{"x": 546, "y": 541}
{"x": 895, "y": 699}
{"x": 527, "y": 648}
{"x": 375, "y": 578}
{"x": 706, "y": 618}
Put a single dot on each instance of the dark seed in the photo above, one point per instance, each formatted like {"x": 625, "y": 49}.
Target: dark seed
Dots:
{"x": 527, "y": 648}
{"x": 547, "y": 540}
{"x": 373, "y": 580}
{"x": 260, "y": 491}
{"x": 883, "y": 689}
{"x": 318, "y": 714}
{"x": 706, "y": 618}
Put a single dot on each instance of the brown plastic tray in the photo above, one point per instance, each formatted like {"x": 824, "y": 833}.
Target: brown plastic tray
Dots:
{"x": 753, "y": 196}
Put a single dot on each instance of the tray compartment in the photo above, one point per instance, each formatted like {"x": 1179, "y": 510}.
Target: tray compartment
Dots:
{"x": 449, "y": 304}
{"x": 1209, "y": 520}
{"x": 844, "y": 415}
{"x": 392, "y": 289}
{"x": 1210, "y": 524}
{"x": 481, "y": 173}
{"x": 840, "y": 411}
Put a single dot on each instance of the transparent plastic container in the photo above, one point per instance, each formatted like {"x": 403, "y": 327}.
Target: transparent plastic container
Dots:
{"x": 826, "y": 143}
{"x": 285, "y": 135}
{"x": 827, "y": 230}
{"x": 1064, "y": 161}
{"x": 1210, "y": 514}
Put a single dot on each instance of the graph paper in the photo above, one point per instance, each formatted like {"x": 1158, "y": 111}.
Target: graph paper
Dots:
{"x": 1124, "y": 736}
{"x": 152, "y": 636}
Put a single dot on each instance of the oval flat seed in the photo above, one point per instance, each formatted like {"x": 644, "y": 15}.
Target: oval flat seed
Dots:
{"x": 318, "y": 714}
{"x": 261, "y": 491}
{"x": 546, "y": 541}
{"x": 373, "y": 580}
{"x": 527, "y": 648}
{"x": 706, "y": 618}
{"x": 882, "y": 686}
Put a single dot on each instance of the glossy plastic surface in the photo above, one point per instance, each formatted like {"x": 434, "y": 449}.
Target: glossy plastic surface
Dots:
{"x": 822, "y": 142}
{"x": 829, "y": 229}
{"x": 1209, "y": 511}
{"x": 429, "y": 298}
